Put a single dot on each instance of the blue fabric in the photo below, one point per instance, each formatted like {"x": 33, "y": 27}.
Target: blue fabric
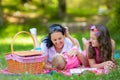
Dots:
{"x": 38, "y": 49}
{"x": 116, "y": 54}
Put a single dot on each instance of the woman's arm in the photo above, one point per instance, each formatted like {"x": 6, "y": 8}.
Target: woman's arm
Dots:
{"x": 48, "y": 66}
{"x": 45, "y": 51}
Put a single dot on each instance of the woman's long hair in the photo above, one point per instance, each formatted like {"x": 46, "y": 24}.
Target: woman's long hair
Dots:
{"x": 105, "y": 46}
{"x": 53, "y": 28}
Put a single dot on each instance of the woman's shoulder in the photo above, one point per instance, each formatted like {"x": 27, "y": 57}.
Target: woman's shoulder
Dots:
{"x": 67, "y": 44}
{"x": 68, "y": 40}
{"x": 43, "y": 45}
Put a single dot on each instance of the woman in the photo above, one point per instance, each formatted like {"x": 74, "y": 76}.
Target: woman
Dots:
{"x": 56, "y": 42}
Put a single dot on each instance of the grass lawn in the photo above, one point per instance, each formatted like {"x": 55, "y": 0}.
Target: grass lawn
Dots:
{"x": 25, "y": 43}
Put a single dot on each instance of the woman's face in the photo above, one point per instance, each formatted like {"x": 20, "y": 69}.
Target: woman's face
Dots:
{"x": 58, "y": 40}
{"x": 93, "y": 39}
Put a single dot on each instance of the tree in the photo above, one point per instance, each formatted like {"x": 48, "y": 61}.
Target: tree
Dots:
{"x": 62, "y": 8}
{"x": 25, "y": 1}
{"x": 114, "y": 23}
{"x": 42, "y": 3}
{"x": 1, "y": 17}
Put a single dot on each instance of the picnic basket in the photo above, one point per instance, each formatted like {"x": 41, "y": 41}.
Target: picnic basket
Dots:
{"x": 25, "y": 61}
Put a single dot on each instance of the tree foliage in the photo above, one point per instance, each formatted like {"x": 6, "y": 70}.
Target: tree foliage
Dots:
{"x": 114, "y": 23}
{"x": 1, "y": 17}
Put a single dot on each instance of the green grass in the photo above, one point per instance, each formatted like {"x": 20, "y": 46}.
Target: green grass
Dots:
{"x": 26, "y": 44}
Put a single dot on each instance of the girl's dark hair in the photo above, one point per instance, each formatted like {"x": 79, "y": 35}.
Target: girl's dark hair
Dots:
{"x": 105, "y": 46}
{"x": 53, "y": 28}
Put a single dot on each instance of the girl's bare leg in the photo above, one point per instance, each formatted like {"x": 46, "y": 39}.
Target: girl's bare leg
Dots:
{"x": 83, "y": 59}
{"x": 84, "y": 40}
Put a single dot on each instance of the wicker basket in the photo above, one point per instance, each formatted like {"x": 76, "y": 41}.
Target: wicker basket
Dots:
{"x": 25, "y": 61}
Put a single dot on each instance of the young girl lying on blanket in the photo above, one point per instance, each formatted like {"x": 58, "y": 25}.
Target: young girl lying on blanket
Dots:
{"x": 100, "y": 48}
{"x": 70, "y": 59}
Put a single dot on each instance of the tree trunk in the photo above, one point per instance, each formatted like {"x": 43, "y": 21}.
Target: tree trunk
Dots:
{"x": 25, "y": 1}
{"x": 62, "y": 8}
{"x": 42, "y": 3}
{"x": 109, "y": 4}
{"x": 1, "y": 16}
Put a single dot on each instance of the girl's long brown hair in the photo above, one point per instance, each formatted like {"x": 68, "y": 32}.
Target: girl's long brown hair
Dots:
{"x": 105, "y": 46}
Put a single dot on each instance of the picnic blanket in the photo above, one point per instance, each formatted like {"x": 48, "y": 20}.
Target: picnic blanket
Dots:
{"x": 70, "y": 72}
{"x": 79, "y": 71}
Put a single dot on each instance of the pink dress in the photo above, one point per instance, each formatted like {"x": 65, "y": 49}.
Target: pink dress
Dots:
{"x": 97, "y": 57}
{"x": 72, "y": 61}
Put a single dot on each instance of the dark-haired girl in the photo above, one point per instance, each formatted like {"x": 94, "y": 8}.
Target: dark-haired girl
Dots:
{"x": 100, "y": 48}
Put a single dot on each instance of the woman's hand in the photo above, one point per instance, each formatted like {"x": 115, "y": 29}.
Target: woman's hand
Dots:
{"x": 48, "y": 66}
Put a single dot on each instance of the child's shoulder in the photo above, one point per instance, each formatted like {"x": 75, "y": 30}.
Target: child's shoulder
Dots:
{"x": 112, "y": 41}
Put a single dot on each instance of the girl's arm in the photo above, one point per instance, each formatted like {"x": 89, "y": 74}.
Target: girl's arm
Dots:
{"x": 113, "y": 48}
{"x": 83, "y": 60}
{"x": 75, "y": 43}
{"x": 93, "y": 64}
{"x": 73, "y": 40}
{"x": 109, "y": 65}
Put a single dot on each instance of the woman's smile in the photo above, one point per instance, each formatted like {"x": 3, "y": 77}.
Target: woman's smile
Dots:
{"x": 58, "y": 40}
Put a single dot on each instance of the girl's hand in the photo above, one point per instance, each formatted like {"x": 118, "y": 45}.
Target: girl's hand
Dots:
{"x": 109, "y": 65}
{"x": 67, "y": 31}
{"x": 72, "y": 52}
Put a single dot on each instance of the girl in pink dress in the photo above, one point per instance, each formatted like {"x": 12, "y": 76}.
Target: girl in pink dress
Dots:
{"x": 100, "y": 48}
{"x": 65, "y": 61}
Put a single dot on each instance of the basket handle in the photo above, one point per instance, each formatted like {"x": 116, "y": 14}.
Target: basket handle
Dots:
{"x": 12, "y": 50}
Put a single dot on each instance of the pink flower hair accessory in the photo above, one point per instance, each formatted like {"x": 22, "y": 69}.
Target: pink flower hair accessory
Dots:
{"x": 93, "y": 28}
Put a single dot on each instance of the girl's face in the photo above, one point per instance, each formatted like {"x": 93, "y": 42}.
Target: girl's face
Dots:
{"x": 93, "y": 39}
{"x": 58, "y": 40}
